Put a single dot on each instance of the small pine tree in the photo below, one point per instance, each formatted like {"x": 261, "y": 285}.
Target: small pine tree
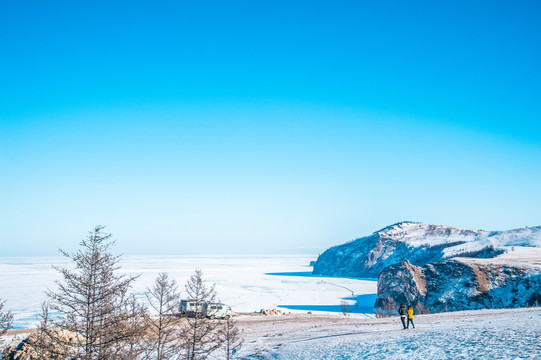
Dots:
{"x": 44, "y": 344}
{"x": 163, "y": 339}
{"x": 230, "y": 336}
{"x": 344, "y": 306}
{"x": 199, "y": 333}
{"x": 6, "y": 319}
{"x": 133, "y": 328}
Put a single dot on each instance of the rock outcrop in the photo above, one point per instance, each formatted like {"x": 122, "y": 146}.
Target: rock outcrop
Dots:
{"x": 271, "y": 312}
{"x": 38, "y": 345}
{"x": 463, "y": 283}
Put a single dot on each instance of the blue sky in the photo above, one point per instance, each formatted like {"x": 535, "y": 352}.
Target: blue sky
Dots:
{"x": 264, "y": 127}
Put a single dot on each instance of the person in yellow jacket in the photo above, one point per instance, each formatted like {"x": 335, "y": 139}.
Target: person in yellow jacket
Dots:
{"x": 410, "y": 317}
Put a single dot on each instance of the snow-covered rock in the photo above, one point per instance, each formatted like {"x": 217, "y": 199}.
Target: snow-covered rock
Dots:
{"x": 420, "y": 244}
{"x": 508, "y": 281}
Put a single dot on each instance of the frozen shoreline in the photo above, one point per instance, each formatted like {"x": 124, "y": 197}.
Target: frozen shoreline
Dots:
{"x": 246, "y": 283}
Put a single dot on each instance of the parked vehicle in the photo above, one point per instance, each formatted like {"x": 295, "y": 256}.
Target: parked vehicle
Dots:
{"x": 194, "y": 308}
{"x": 191, "y": 308}
{"x": 217, "y": 311}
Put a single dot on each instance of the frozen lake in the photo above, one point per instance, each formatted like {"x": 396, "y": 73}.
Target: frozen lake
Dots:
{"x": 247, "y": 283}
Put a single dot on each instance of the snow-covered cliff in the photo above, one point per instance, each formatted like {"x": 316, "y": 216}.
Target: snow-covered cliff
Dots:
{"x": 420, "y": 244}
{"x": 507, "y": 281}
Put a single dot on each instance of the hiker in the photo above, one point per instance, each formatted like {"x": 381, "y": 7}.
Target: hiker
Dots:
{"x": 410, "y": 317}
{"x": 402, "y": 311}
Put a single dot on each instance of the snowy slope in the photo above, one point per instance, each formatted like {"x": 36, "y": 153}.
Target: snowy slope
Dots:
{"x": 482, "y": 334}
{"x": 416, "y": 234}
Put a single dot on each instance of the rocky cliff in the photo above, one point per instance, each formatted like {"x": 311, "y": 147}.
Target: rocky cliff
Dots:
{"x": 511, "y": 280}
{"x": 420, "y": 244}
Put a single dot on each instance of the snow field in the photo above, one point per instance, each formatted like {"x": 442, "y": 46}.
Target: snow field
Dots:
{"x": 483, "y": 334}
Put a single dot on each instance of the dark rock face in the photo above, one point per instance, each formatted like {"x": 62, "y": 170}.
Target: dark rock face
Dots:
{"x": 453, "y": 285}
{"x": 401, "y": 283}
{"x": 366, "y": 257}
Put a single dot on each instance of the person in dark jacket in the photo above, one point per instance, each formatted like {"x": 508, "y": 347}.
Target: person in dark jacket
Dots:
{"x": 402, "y": 312}
{"x": 410, "y": 317}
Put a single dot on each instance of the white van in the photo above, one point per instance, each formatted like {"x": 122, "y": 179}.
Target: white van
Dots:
{"x": 217, "y": 311}
{"x": 191, "y": 308}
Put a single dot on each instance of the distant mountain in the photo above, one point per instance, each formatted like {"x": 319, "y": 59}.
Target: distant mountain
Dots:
{"x": 420, "y": 244}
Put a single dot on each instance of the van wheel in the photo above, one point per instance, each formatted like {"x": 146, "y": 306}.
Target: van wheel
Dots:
{"x": 212, "y": 317}
{"x": 227, "y": 317}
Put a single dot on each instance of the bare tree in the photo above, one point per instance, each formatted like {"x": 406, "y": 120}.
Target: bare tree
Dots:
{"x": 90, "y": 301}
{"x": 345, "y": 307}
{"x": 387, "y": 308}
{"x": 230, "y": 336}
{"x": 6, "y": 319}
{"x": 133, "y": 328}
{"x": 199, "y": 333}
{"x": 164, "y": 338}
{"x": 44, "y": 342}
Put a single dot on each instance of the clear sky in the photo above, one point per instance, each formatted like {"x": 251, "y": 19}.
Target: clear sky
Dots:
{"x": 264, "y": 126}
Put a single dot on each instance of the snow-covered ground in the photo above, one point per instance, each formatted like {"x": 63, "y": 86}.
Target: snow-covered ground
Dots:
{"x": 508, "y": 334}
{"x": 514, "y": 256}
{"x": 247, "y": 283}
{"x": 482, "y": 334}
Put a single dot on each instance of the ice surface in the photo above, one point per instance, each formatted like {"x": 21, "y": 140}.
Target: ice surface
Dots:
{"x": 247, "y": 283}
